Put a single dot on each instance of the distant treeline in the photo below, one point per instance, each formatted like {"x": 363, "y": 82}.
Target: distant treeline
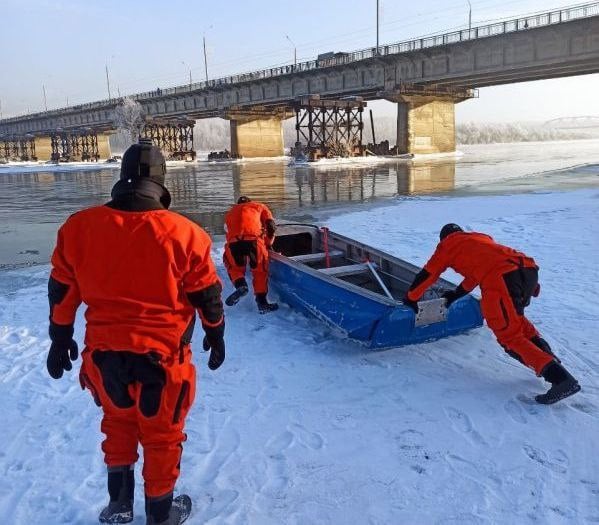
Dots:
{"x": 475, "y": 133}
{"x": 214, "y": 134}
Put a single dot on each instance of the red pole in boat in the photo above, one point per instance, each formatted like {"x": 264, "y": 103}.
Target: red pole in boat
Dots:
{"x": 325, "y": 242}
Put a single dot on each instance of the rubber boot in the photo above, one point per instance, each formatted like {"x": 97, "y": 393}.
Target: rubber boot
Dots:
{"x": 539, "y": 342}
{"x": 263, "y": 305}
{"x": 121, "y": 487}
{"x": 241, "y": 289}
{"x": 562, "y": 384}
{"x": 166, "y": 510}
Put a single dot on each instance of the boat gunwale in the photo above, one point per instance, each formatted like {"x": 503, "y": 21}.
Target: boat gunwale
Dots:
{"x": 350, "y": 286}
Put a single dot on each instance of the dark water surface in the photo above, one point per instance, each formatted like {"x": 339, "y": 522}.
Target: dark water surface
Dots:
{"x": 34, "y": 201}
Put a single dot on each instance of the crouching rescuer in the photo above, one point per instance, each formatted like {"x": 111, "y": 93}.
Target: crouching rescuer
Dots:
{"x": 250, "y": 229}
{"x": 507, "y": 279}
{"x": 143, "y": 272}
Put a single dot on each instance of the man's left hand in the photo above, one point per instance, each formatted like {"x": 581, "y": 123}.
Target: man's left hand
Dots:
{"x": 412, "y": 304}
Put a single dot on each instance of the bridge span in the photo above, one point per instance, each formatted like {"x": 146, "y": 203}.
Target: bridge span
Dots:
{"x": 426, "y": 77}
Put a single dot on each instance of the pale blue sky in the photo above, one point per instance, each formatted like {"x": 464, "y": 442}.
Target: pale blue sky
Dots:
{"x": 64, "y": 45}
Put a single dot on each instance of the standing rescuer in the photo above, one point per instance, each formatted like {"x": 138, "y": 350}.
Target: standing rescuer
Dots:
{"x": 507, "y": 279}
{"x": 142, "y": 271}
{"x": 250, "y": 233}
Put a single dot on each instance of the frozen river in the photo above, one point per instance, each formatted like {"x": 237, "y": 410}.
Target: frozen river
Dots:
{"x": 34, "y": 201}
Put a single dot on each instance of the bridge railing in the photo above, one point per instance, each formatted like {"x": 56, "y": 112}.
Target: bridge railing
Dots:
{"x": 494, "y": 29}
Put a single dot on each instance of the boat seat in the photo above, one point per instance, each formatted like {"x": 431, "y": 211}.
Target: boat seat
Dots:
{"x": 314, "y": 257}
{"x": 348, "y": 269}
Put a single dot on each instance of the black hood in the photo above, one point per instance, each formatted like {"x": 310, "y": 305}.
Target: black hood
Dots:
{"x": 141, "y": 194}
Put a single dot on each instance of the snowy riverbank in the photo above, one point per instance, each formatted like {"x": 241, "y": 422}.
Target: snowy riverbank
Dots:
{"x": 300, "y": 427}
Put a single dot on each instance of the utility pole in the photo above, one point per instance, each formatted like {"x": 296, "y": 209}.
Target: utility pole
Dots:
{"x": 108, "y": 83}
{"x": 45, "y": 100}
{"x": 294, "y": 50}
{"x": 0, "y": 109}
{"x": 377, "y": 27}
{"x": 190, "y": 80}
{"x": 469, "y": 18}
{"x": 205, "y": 60}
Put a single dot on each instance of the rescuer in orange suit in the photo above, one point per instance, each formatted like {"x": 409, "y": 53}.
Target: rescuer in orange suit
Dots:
{"x": 507, "y": 279}
{"x": 250, "y": 229}
{"x": 142, "y": 271}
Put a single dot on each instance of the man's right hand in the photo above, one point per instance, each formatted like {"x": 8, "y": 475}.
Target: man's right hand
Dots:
{"x": 214, "y": 340}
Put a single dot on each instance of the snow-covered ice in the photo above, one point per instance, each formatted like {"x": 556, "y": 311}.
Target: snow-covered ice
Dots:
{"x": 301, "y": 427}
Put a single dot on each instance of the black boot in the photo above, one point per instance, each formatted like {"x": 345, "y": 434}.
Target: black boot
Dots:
{"x": 562, "y": 384}
{"x": 263, "y": 305}
{"x": 539, "y": 342}
{"x": 241, "y": 289}
{"x": 121, "y": 486}
{"x": 164, "y": 510}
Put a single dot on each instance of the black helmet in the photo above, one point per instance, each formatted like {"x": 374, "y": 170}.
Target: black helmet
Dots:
{"x": 243, "y": 199}
{"x": 448, "y": 229}
{"x": 143, "y": 160}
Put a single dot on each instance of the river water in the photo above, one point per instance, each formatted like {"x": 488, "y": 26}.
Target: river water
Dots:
{"x": 34, "y": 201}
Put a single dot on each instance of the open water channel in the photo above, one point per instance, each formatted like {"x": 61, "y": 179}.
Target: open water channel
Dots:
{"x": 34, "y": 201}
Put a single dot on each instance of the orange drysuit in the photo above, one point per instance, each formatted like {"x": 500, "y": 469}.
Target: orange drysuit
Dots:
{"x": 250, "y": 232}
{"x": 507, "y": 279}
{"x": 142, "y": 274}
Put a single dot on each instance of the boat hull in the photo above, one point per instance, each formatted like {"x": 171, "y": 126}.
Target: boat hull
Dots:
{"x": 377, "y": 323}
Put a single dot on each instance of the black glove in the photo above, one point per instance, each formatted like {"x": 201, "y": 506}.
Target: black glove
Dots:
{"x": 215, "y": 342}
{"x": 63, "y": 350}
{"x": 451, "y": 296}
{"x": 411, "y": 304}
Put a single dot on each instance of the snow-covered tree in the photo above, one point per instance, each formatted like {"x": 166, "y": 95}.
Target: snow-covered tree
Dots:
{"x": 130, "y": 119}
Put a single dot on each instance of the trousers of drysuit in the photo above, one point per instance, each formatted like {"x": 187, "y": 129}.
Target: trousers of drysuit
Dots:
{"x": 239, "y": 254}
{"x": 507, "y": 279}
{"x": 145, "y": 399}
{"x": 504, "y": 297}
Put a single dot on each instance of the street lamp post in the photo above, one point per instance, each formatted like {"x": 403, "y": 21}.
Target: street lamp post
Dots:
{"x": 294, "y": 50}
{"x": 469, "y": 18}
{"x": 108, "y": 82}
{"x": 377, "y": 27}
{"x": 205, "y": 54}
{"x": 188, "y": 66}
{"x": 45, "y": 100}
{"x": 205, "y": 59}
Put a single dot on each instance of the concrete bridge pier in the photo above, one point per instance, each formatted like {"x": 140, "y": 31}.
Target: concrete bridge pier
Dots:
{"x": 426, "y": 117}
{"x": 257, "y": 131}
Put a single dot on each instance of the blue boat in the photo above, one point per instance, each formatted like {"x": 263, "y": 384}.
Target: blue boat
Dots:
{"x": 358, "y": 289}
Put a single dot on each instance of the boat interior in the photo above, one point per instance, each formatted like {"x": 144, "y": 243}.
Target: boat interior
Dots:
{"x": 350, "y": 261}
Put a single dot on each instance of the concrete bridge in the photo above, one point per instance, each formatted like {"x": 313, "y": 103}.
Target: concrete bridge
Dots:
{"x": 426, "y": 77}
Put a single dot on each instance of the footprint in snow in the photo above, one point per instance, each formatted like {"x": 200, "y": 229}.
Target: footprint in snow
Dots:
{"x": 305, "y": 437}
{"x": 586, "y": 408}
{"x": 462, "y": 424}
{"x": 559, "y": 463}
{"x": 515, "y": 411}
{"x": 529, "y": 404}
{"x": 211, "y": 505}
{"x": 279, "y": 443}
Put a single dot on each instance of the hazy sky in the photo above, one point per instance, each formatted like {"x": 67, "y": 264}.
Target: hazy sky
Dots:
{"x": 65, "y": 45}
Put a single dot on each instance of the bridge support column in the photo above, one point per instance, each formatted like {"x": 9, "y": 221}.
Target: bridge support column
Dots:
{"x": 257, "y": 132}
{"x": 425, "y": 126}
{"x": 104, "y": 151}
{"x": 174, "y": 137}
{"x": 43, "y": 148}
{"x": 426, "y": 117}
